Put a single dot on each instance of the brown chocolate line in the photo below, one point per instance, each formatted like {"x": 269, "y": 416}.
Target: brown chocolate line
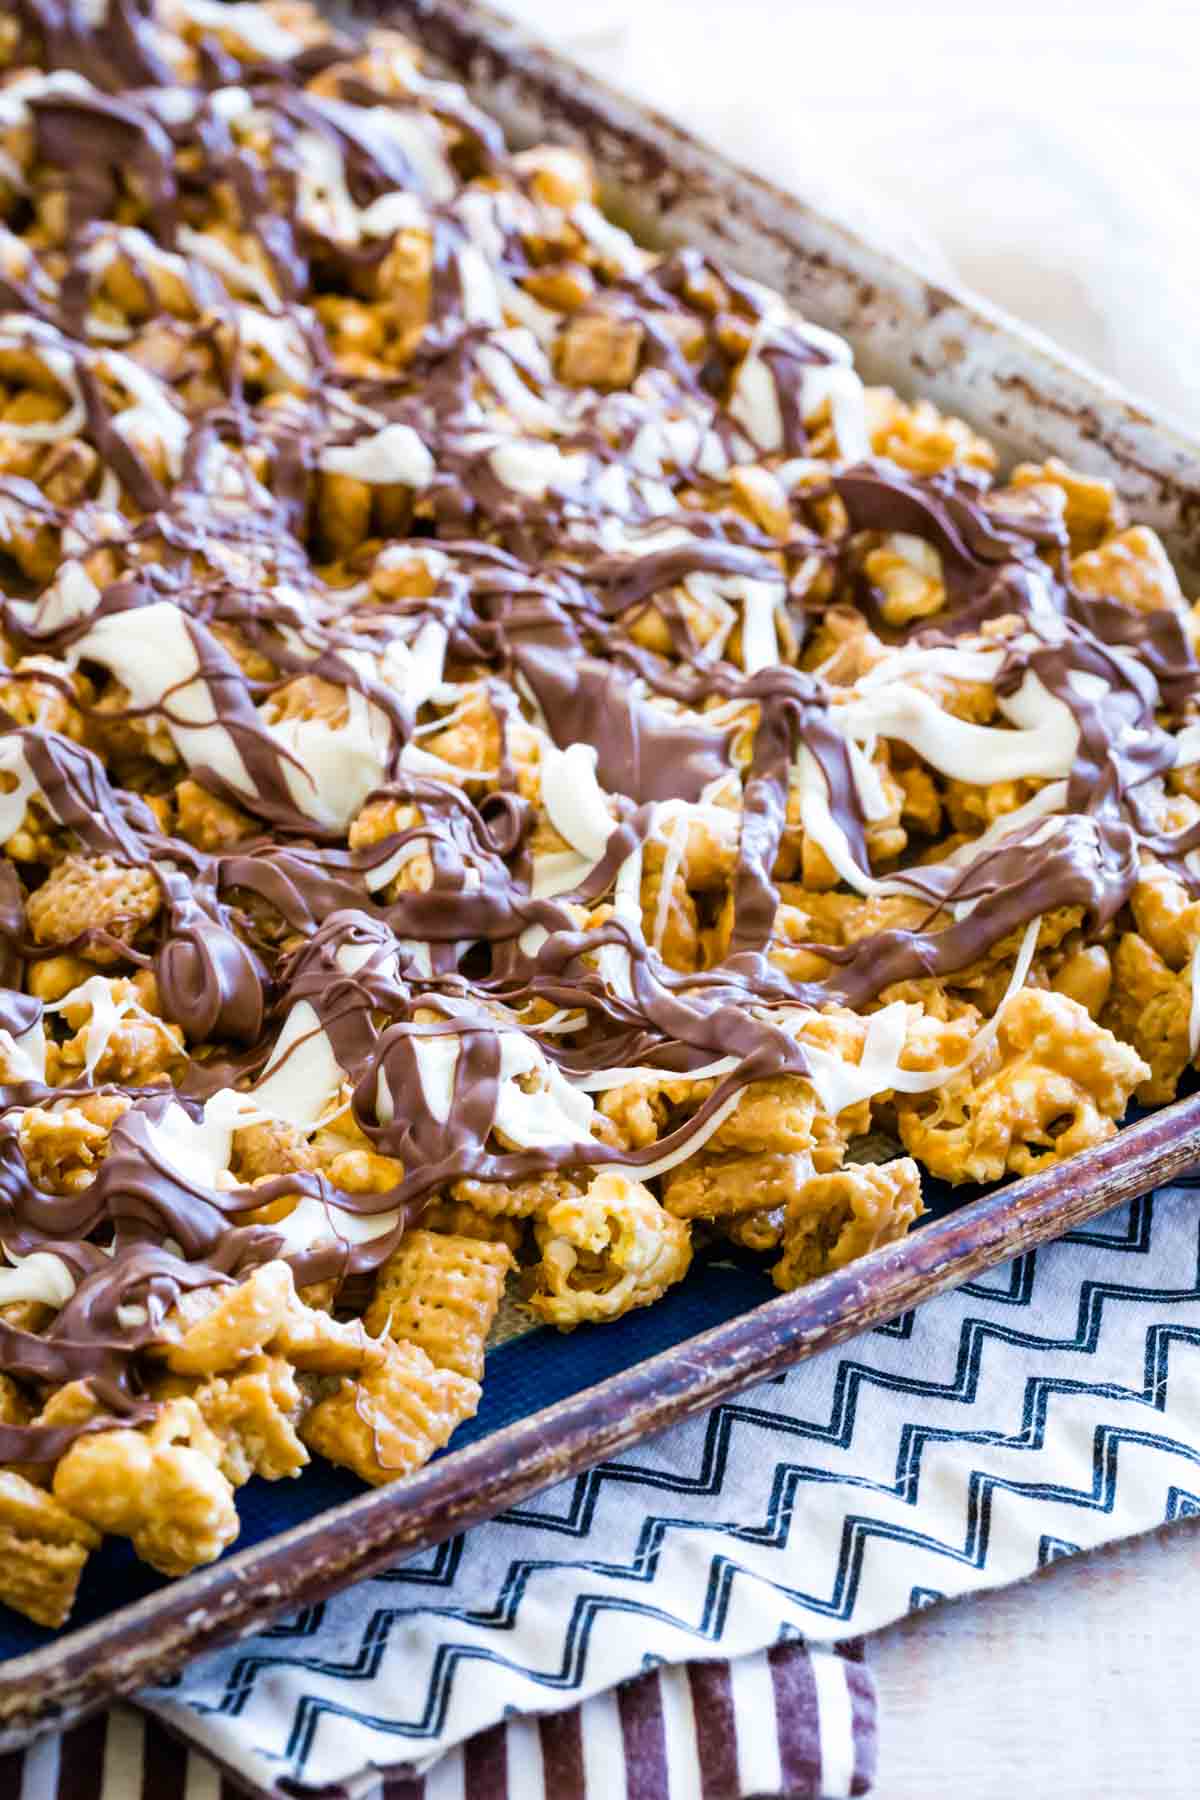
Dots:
{"x": 545, "y": 601}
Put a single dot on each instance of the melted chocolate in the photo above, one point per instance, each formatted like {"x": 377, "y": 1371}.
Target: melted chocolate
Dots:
{"x": 549, "y": 595}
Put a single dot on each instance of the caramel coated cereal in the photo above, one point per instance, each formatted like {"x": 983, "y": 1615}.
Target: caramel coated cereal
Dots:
{"x": 511, "y": 760}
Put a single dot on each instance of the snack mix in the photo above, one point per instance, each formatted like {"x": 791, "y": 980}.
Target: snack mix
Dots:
{"x": 512, "y": 762}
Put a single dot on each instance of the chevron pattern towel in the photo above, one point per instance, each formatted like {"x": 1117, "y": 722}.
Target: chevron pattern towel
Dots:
{"x": 1042, "y": 1409}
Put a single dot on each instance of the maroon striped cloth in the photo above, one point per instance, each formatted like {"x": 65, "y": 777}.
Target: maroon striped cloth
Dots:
{"x": 790, "y": 1721}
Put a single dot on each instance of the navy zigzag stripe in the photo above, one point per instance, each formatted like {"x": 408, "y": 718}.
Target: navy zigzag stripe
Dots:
{"x": 788, "y": 1481}
{"x": 856, "y": 1535}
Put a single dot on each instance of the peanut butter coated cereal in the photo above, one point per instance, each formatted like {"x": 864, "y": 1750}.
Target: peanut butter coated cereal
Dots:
{"x": 516, "y": 771}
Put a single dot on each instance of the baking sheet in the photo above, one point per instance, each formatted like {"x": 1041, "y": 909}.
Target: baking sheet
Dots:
{"x": 596, "y": 1392}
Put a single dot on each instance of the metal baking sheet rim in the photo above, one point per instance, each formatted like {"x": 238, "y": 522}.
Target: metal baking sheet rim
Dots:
{"x": 1010, "y": 383}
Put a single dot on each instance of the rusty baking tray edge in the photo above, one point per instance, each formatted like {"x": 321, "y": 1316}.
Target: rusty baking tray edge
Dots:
{"x": 1009, "y": 382}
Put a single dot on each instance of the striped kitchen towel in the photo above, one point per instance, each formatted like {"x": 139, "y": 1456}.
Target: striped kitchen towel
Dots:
{"x": 790, "y": 1721}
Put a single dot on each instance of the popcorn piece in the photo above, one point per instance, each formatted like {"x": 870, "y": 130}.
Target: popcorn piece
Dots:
{"x": 637, "y": 1112}
{"x": 514, "y": 1200}
{"x": 556, "y": 174}
{"x": 472, "y": 738}
{"x": 764, "y": 498}
{"x": 833, "y": 1219}
{"x": 359, "y": 1170}
{"x": 1131, "y": 567}
{"x": 1150, "y": 1007}
{"x": 784, "y": 1114}
{"x": 72, "y": 1404}
{"x": 134, "y": 1046}
{"x": 63, "y": 1146}
{"x": 1086, "y": 976}
{"x": 88, "y": 893}
{"x": 973, "y": 806}
{"x": 1166, "y": 915}
{"x": 1091, "y": 509}
{"x": 761, "y": 1230}
{"x": 269, "y": 1149}
{"x": 161, "y": 1487}
{"x": 605, "y": 1252}
{"x": 206, "y": 821}
{"x": 908, "y": 573}
{"x": 1057, "y": 1082}
{"x": 14, "y": 1407}
{"x": 920, "y": 438}
{"x": 37, "y": 701}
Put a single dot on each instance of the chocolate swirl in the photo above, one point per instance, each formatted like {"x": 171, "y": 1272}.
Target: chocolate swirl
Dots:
{"x": 365, "y": 545}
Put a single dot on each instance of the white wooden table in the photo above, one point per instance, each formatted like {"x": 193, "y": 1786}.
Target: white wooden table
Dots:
{"x": 1050, "y": 151}
{"x": 1078, "y": 1684}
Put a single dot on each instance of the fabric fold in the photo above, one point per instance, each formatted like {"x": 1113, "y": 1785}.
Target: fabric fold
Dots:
{"x": 794, "y": 1720}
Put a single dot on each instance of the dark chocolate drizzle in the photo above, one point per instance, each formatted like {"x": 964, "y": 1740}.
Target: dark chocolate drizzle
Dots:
{"x": 536, "y": 602}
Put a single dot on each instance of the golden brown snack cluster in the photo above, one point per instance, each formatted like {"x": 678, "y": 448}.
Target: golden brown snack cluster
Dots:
{"x": 514, "y": 766}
